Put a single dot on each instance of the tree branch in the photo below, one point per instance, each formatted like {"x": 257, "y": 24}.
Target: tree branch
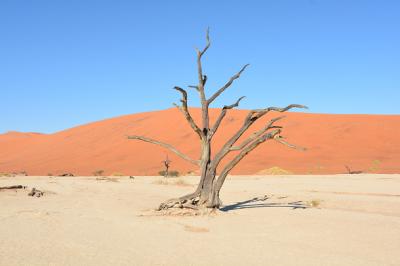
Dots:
{"x": 242, "y": 154}
{"x": 227, "y": 85}
{"x": 194, "y": 87}
{"x": 282, "y": 141}
{"x": 185, "y": 111}
{"x": 252, "y": 116}
{"x": 167, "y": 146}
{"x": 277, "y": 109}
{"x": 200, "y": 87}
{"x": 202, "y": 79}
{"x": 257, "y": 134}
{"x": 222, "y": 115}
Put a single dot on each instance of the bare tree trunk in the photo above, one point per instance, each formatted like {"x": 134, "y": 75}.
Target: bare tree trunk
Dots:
{"x": 207, "y": 193}
{"x": 166, "y": 170}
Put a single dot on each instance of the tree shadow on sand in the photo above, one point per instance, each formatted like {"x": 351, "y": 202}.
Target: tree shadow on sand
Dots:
{"x": 259, "y": 202}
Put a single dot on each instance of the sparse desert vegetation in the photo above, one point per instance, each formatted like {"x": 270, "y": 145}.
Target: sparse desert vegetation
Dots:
{"x": 6, "y": 174}
{"x": 375, "y": 166}
{"x": 117, "y": 174}
{"x": 315, "y": 203}
{"x": 275, "y": 170}
{"x": 170, "y": 173}
{"x": 172, "y": 181}
{"x": 107, "y": 178}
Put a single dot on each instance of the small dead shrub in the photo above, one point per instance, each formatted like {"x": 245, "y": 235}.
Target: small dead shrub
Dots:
{"x": 315, "y": 203}
{"x": 98, "y": 172}
{"x": 170, "y": 173}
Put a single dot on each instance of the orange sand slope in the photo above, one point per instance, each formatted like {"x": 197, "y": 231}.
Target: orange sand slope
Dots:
{"x": 368, "y": 143}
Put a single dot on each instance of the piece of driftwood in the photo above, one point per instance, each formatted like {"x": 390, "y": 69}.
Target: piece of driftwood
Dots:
{"x": 35, "y": 193}
{"x": 13, "y": 187}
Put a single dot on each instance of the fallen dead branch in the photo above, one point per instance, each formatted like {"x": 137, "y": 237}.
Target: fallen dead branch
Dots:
{"x": 13, "y": 187}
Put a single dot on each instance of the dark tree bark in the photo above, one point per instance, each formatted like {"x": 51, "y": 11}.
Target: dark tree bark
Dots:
{"x": 210, "y": 184}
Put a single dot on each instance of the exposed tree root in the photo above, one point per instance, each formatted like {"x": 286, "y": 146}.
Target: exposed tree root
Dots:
{"x": 187, "y": 212}
{"x": 189, "y": 201}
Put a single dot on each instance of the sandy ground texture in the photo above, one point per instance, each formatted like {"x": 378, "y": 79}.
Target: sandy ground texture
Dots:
{"x": 267, "y": 220}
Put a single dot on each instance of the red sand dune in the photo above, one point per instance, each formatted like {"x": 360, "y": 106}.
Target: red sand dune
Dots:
{"x": 368, "y": 143}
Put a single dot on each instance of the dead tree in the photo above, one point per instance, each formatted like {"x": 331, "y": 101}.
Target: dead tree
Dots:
{"x": 208, "y": 189}
{"x": 166, "y": 163}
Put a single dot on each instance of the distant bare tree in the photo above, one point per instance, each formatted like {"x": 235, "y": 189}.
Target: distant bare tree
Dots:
{"x": 166, "y": 163}
{"x": 208, "y": 189}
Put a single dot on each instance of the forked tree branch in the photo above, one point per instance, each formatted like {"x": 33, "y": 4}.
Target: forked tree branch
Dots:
{"x": 253, "y": 116}
{"x": 257, "y": 134}
{"x": 227, "y": 85}
{"x": 207, "y": 44}
{"x": 200, "y": 87}
{"x": 167, "y": 146}
{"x": 202, "y": 78}
{"x": 242, "y": 154}
{"x": 222, "y": 115}
{"x": 185, "y": 111}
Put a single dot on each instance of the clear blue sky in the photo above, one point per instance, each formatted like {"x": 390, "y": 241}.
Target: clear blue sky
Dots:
{"x": 65, "y": 63}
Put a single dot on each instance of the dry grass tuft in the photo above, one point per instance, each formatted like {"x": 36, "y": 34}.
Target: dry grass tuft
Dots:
{"x": 315, "y": 203}
{"x": 117, "y": 174}
{"x": 7, "y": 174}
{"x": 274, "y": 171}
{"x": 108, "y": 179}
{"x": 172, "y": 181}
